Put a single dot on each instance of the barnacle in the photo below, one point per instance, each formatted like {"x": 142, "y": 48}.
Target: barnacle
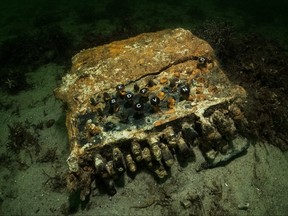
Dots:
{"x": 141, "y": 101}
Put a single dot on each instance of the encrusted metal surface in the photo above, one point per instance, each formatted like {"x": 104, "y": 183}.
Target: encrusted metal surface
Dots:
{"x": 141, "y": 101}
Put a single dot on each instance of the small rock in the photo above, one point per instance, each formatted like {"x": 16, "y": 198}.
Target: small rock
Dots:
{"x": 186, "y": 204}
{"x": 243, "y": 206}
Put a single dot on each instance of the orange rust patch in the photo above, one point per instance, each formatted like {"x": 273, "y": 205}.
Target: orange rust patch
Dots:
{"x": 171, "y": 103}
{"x": 163, "y": 80}
{"x": 161, "y": 95}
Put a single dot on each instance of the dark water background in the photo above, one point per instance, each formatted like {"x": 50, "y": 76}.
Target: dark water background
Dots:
{"x": 267, "y": 17}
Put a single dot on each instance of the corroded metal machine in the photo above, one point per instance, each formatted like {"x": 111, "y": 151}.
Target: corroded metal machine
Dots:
{"x": 142, "y": 101}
